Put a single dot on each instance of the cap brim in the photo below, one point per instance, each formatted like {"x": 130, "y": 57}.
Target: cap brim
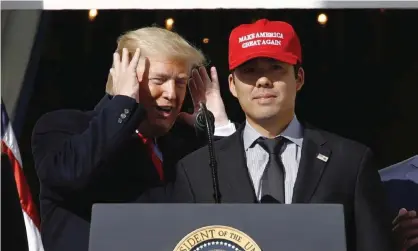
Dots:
{"x": 283, "y": 57}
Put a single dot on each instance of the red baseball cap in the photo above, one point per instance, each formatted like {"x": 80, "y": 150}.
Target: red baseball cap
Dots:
{"x": 264, "y": 38}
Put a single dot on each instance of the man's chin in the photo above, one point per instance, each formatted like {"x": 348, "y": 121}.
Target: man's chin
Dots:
{"x": 155, "y": 127}
{"x": 161, "y": 127}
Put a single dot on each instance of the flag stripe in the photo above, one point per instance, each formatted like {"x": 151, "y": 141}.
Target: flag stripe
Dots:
{"x": 30, "y": 215}
{"x": 23, "y": 189}
{"x": 32, "y": 233}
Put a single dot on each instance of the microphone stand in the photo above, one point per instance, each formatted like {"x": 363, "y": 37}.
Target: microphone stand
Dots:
{"x": 212, "y": 160}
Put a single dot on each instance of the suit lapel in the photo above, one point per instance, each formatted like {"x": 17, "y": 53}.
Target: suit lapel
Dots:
{"x": 315, "y": 156}
{"x": 235, "y": 181}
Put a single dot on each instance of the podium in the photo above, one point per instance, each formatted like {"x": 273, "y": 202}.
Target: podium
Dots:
{"x": 217, "y": 227}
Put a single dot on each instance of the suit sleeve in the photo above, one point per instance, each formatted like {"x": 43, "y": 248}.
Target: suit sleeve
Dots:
{"x": 373, "y": 229}
{"x": 67, "y": 160}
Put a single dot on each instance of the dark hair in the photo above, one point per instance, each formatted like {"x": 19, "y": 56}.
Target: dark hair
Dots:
{"x": 296, "y": 68}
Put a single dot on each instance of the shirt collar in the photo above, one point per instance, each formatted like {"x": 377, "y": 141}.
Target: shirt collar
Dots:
{"x": 293, "y": 132}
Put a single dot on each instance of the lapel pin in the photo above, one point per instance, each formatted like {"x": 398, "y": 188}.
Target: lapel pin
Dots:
{"x": 322, "y": 157}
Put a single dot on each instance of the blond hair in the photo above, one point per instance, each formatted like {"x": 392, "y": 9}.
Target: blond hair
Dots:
{"x": 154, "y": 41}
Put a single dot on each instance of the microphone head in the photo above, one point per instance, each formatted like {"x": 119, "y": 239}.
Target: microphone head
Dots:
{"x": 200, "y": 121}
{"x": 269, "y": 199}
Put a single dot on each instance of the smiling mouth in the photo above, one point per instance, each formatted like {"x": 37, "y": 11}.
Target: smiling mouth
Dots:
{"x": 165, "y": 109}
{"x": 265, "y": 97}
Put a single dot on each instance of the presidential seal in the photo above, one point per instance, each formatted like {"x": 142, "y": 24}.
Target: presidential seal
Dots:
{"x": 217, "y": 238}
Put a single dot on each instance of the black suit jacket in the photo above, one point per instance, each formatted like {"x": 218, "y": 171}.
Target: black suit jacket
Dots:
{"x": 91, "y": 157}
{"x": 348, "y": 178}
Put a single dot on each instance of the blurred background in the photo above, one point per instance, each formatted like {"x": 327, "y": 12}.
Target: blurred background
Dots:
{"x": 361, "y": 68}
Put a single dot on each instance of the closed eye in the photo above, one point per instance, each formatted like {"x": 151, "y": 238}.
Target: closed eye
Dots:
{"x": 157, "y": 80}
{"x": 181, "y": 81}
{"x": 277, "y": 67}
{"x": 248, "y": 70}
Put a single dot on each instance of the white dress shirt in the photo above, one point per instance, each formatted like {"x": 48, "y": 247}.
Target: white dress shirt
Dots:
{"x": 290, "y": 154}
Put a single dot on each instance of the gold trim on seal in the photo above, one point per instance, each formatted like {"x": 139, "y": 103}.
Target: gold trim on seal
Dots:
{"x": 198, "y": 236}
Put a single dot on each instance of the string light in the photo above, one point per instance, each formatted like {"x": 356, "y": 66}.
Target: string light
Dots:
{"x": 206, "y": 40}
{"x": 92, "y": 14}
{"x": 169, "y": 22}
{"x": 322, "y": 19}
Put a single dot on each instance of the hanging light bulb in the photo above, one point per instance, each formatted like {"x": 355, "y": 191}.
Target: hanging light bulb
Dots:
{"x": 169, "y": 22}
{"x": 92, "y": 14}
{"x": 322, "y": 19}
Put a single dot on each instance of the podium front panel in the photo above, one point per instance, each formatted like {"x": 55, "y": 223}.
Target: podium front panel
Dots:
{"x": 217, "y": 227}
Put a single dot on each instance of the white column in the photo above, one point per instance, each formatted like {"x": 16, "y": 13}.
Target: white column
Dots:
{"x": 18, "y": 32}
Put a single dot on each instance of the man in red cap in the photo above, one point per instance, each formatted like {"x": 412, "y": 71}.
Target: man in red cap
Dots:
{"x": 275, "y": 157}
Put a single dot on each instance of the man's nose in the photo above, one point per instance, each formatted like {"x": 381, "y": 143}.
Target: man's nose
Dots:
{"x": 264, "y": 82}
{"x": 169, "y": 89}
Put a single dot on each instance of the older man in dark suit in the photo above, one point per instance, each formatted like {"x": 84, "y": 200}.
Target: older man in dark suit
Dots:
{"x": 129, "y": 142}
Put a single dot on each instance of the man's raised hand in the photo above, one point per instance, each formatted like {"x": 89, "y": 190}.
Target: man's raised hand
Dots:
{"x": 206, "y": 89}
{"x": 124, "y": 74}
{"x": 405, "y": 228}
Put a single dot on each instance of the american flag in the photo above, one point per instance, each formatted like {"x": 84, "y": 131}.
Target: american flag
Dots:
{"x": 30, "y": 214}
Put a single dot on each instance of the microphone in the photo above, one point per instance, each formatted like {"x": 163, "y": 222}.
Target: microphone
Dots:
{"x": 268, "y": 199}
{"x": 200, "y": 121}
{"x": 205, "y": 122}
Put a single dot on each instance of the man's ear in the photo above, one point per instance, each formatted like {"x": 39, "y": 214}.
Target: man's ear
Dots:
{"x": 232, "y": 85}
{"x": 300, "y": 80}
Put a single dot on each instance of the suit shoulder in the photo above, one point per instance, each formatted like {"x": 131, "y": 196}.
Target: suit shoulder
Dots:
{"x": 62, "y": 120}
{"x": 195, "y": 157}
{"x": 202, "y": 154}
{"x": 388, "y": 172}
{"x": 343, "y": 143}
{"x": 397, "y": 169}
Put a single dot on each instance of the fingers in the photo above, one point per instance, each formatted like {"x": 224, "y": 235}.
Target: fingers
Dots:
{"x": 197, "y": 78}
{"x": 116, "y": 61}
{"x": 403, "y": 213}
{"x": 124, "y": 74}
{"x": 125, "y": 58}
{"x": 199, "y": 85}
{"x": 411, "y": 242}
{"x": 410, "y": 234}
{"x": 214, "y": 77}
{"x": 407, "y": 227}
{"x": 204, "y": 75}
{"x": 112, "y": 74}
{"x": 409, "y": 223}
{"x": 123, "y": 64}
{"x": 135, "y": 59}
{"x": 194, "y": 93}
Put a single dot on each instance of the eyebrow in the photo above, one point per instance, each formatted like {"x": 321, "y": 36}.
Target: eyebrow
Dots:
{"x": 158, "y": 75}
{"x": 167, "y": 76}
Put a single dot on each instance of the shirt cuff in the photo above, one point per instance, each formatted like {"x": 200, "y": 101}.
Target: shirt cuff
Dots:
{"x": 225, "y": 130}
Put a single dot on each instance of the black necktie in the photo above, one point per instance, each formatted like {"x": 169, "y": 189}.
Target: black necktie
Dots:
{"x": 274, "y": 175}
